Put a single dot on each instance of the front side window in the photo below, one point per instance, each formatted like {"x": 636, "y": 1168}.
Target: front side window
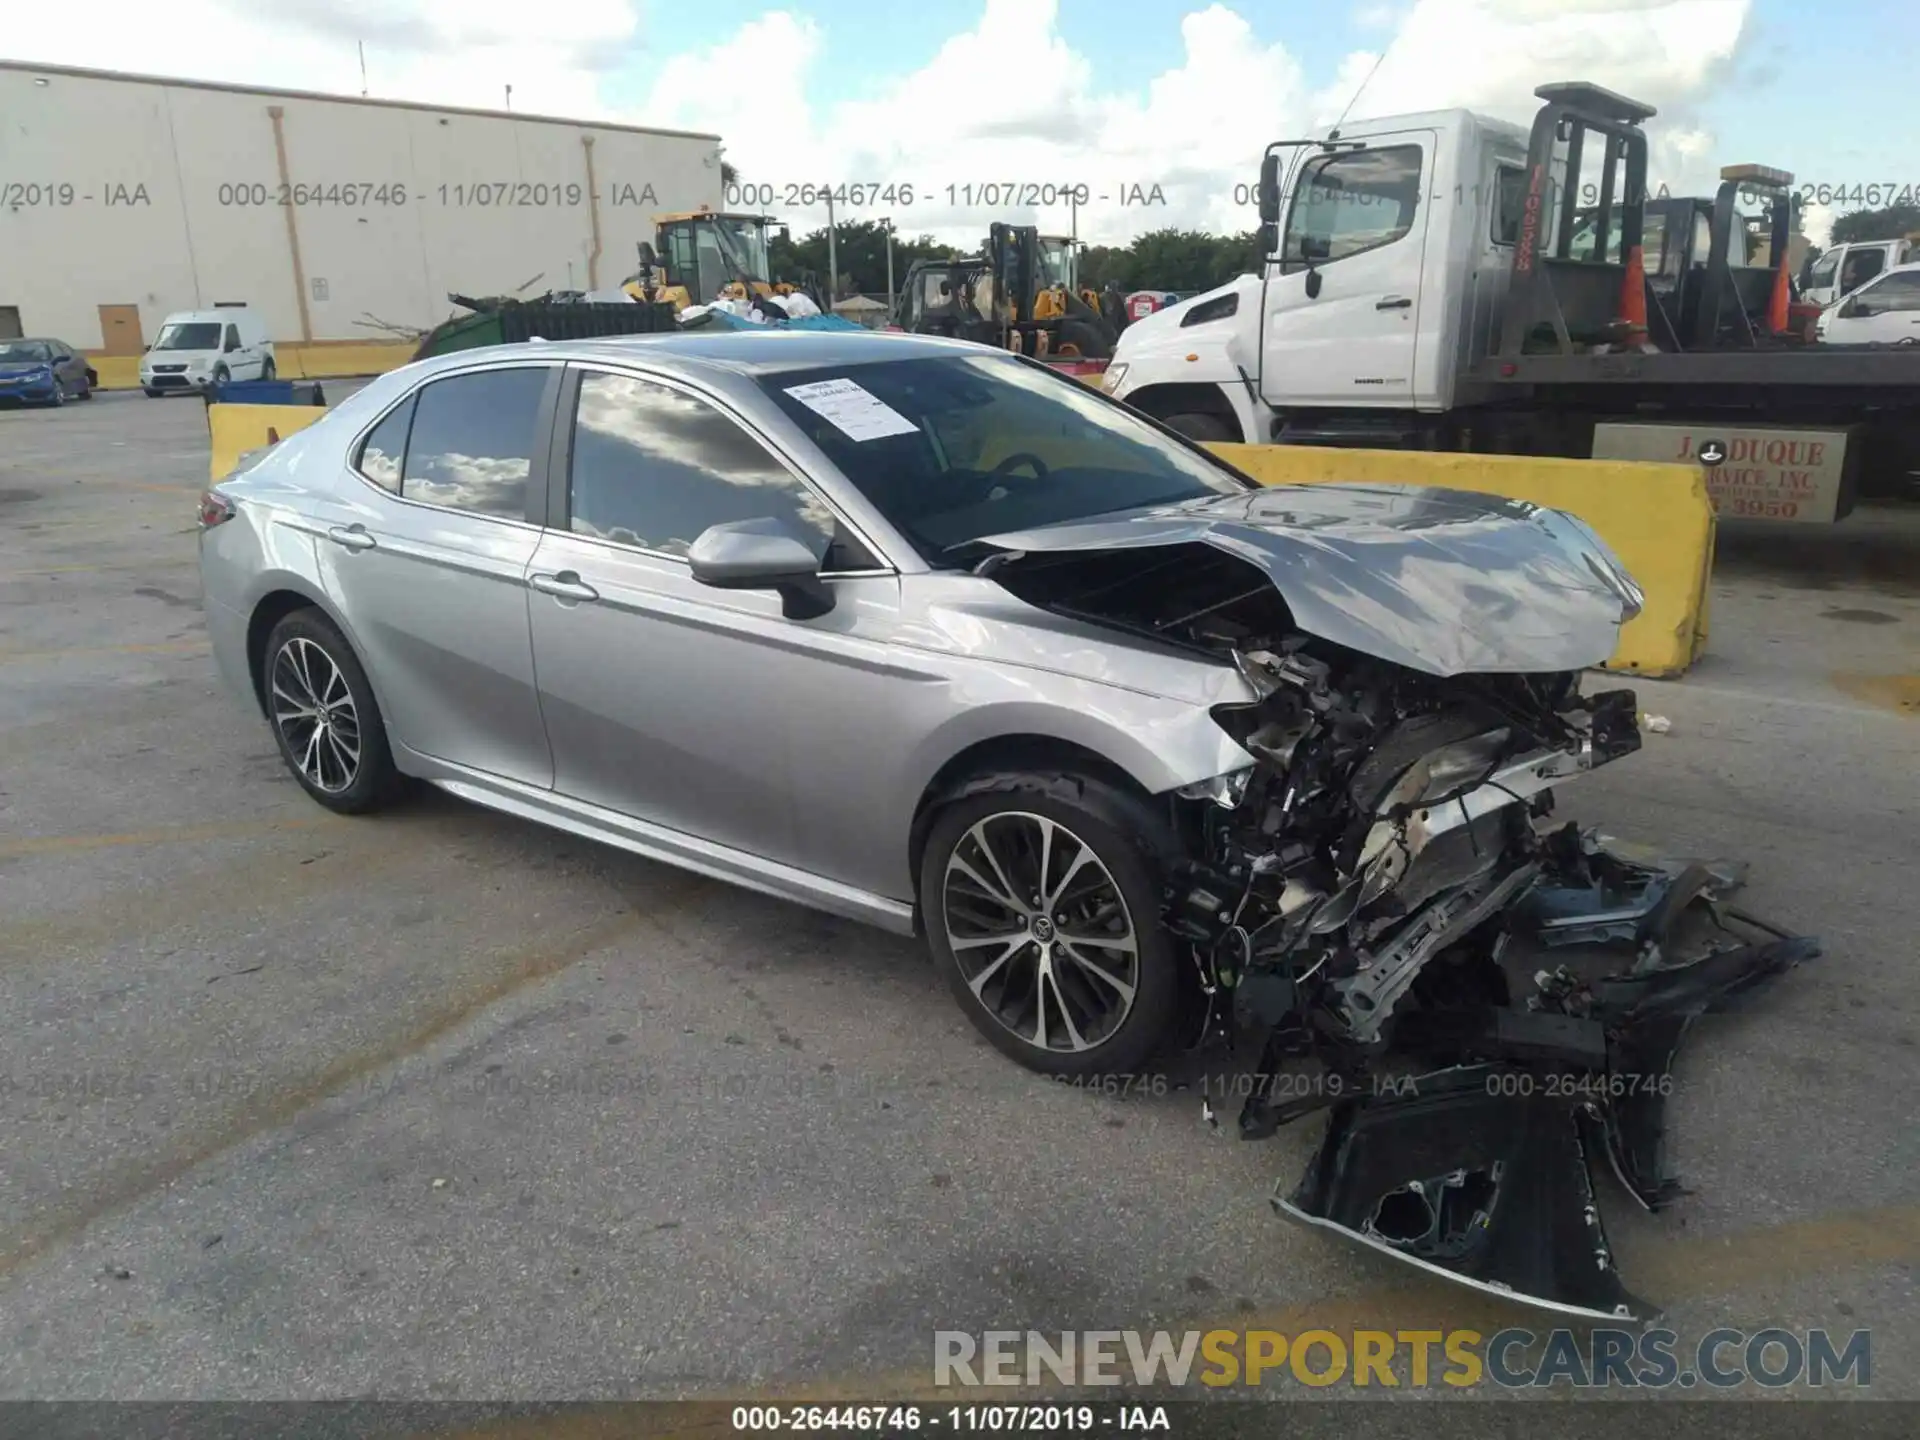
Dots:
{"x": 233, "y": 338}
{"x": 954, "y": 448}
{"x": 473, "y": 440}
{"x": 655, "y": 467}
{"x": 1896, "y": 292}
{"x": 1821, "y": 275}
{"x": 1353, "y": 202}
{"x": 1858, "y": 268}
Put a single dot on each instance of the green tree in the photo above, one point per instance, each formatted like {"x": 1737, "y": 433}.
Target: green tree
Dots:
{"x": 1894, "y": 222}
{"x": 862, "y": 252}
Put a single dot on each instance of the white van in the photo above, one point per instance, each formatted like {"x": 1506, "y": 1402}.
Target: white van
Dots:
{"x": 197, "y": 349}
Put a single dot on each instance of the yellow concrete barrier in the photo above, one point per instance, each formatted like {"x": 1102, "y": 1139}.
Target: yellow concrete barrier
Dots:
{"x": 331, "y": 362}
{"x": 116, "y": 372}
{"x": 236, "y": 429}
{"x": 1656, "y": 518}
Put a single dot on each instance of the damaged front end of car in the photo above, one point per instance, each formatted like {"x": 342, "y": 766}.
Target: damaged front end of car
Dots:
{"x": 1485, "y": 1001}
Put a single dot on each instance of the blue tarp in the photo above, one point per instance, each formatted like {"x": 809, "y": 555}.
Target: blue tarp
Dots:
{"x": 725, "y": 320}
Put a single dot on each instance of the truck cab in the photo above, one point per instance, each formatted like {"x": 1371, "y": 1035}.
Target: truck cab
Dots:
{"x": 1387, "y": 267}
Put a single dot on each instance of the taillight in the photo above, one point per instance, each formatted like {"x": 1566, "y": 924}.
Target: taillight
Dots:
{"x": 215, "y": 509}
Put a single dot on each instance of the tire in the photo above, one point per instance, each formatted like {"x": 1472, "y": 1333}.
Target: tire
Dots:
{"x": 86, "y": 389}
{"x": 1196, "y": 425}
{"x": 1129, "y": 843}
{"x": 267, "y": 371}
{"x": 59, "y": 396}
{"x": 222, "y": 376}
{"x": 306, "y": 656}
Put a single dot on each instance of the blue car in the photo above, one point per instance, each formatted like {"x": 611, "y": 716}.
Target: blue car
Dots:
{"x": 44, "y": 372}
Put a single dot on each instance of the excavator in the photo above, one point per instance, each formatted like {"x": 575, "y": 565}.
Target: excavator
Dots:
{"x": 698, "y": 256}
{"x": 1016, "y": 294}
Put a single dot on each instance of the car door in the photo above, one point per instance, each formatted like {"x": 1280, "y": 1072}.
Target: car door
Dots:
{"x": 669, "y": 701}
{"x": 426, "y": 557}
{"x": 1358, "y": 222}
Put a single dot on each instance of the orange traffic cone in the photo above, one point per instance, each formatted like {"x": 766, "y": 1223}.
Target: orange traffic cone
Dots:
{"x": 1780, "y": 305}
{"x": 1633, "y": 295}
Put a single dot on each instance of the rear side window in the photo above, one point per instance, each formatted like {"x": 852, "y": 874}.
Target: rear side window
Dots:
{"x": 473, "y": 440}
{"x": 384, "y": 451}
{"x": 1509, "y": 200}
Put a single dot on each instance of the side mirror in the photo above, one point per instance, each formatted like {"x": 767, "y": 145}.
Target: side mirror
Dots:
{"x": 1269, "y": 239}
{"x": 1314, "y": 282}
{"x": 764, "y": 554}
{"x": 1270, "y": 189}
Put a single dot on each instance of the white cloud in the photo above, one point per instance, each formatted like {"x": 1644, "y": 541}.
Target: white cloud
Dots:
{"x": 1007, "y": 100}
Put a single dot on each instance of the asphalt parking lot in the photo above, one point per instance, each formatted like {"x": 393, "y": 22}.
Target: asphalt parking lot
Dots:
{"x": 445, "y": 1105}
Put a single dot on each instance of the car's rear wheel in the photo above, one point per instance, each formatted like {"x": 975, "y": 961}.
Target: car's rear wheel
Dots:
{"x": 324, "y": 716}
{"x": 1041, "y": 900}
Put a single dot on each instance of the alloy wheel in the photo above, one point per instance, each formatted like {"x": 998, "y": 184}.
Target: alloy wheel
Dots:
{"x": 1040, "y": 931}
{"x": 314, "y": 712}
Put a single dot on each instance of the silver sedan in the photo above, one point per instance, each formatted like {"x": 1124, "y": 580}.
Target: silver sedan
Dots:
{"x": 921, "y": 634}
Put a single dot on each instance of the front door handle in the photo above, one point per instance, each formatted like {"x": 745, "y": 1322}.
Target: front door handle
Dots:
{"x": 567, "y": 585}
{"x": 353, "y": 537}
{"x": 1394, "y": 302}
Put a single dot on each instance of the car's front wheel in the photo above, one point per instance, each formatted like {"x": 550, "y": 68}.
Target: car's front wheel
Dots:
{"x": 324, "y": 716}
{"x": 1040, "y": 896}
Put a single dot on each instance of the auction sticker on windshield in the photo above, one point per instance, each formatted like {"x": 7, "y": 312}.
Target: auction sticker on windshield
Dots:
{"x": 858, "y": 414}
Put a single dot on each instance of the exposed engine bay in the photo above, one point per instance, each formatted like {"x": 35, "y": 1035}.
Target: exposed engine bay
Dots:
{"x": 1485, "y": 1000}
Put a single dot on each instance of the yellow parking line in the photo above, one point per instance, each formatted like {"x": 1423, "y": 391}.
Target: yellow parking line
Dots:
{"x": 172, "y": 835}
{"x": 165, "y": 647}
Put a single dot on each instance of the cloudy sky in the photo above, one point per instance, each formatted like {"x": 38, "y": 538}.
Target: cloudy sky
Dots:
{"x": 1110, "y": 93}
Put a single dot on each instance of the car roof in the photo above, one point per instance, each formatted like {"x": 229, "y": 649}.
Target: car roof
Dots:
{"x": 762, "y": 352}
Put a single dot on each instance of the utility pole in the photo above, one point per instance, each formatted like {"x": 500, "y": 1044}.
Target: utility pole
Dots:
{"x": 361, "y": 46}
{"x": 509, "y": 97}
{"x": 887, "y": 225}
{"x": 833, "y": 254}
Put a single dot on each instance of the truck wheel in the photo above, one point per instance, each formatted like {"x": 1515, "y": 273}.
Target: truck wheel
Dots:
{"x": 1202, "y": 427}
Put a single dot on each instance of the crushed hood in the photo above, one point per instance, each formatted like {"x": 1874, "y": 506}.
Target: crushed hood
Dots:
{"x": 1442, "y": 581}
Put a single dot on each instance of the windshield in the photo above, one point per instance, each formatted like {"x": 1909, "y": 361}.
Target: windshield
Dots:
{"x": 744, "y": 242}
{"x": 201, "y": 335}
{"x": 15, "y": 352}
{"x": 954, "y": 448}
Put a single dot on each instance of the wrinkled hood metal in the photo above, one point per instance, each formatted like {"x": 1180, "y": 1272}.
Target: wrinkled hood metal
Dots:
{"x": 1442, "y": 581}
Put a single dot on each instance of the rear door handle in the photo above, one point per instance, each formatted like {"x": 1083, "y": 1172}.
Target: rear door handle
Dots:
{"x": 567, "y": 585}
{"x": 353, "y": 537}
{"x": 1394, "y": 302}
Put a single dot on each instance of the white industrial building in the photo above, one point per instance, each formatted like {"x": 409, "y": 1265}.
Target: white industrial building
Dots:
{"x": 126, "y": 197}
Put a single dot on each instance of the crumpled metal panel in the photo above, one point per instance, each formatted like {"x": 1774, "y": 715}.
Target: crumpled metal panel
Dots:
{"x": 1446, "y": 582}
